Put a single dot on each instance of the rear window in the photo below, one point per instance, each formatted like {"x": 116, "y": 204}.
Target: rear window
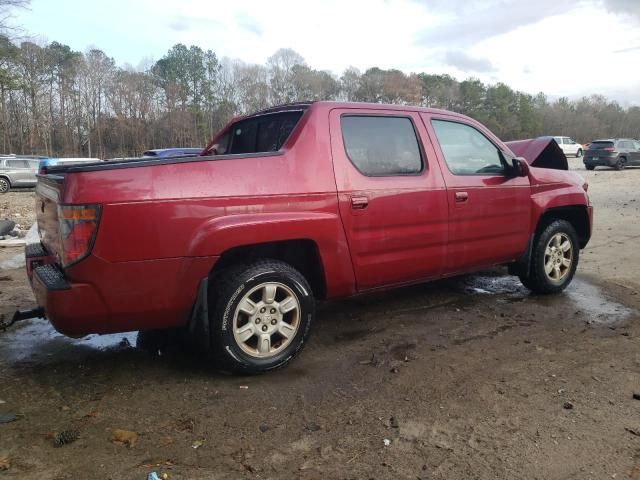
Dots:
{"x": 150, "y": 153}
{"x": 600, "y": 145}
{"x": 260, "y": 134}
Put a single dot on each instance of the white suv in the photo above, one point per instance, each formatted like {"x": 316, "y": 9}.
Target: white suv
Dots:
{"x": 569, "y": 146}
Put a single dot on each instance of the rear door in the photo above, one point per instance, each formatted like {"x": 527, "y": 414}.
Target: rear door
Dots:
{"x": 20, "y": 172}
{"x": 636, "y": 152}
{"x": 489, "y": 212}
{"x": 391, "y": 196}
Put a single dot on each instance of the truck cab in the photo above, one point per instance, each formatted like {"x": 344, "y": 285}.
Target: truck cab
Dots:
{"x": 290, "y": 206}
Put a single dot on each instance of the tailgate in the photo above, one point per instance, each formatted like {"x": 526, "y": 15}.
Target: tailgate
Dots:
{"x": 47, "y": 199}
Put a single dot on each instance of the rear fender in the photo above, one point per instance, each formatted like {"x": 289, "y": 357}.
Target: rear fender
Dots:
{"x": 220, "y": 234}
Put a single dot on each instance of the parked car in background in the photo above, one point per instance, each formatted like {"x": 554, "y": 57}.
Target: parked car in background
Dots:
{"x": 569, "y": 146}
{"x": 612, "y": 152}
{"x": 308, "y": 201}
{"x": 172, "y": 152}
{"x": 18, "y": 172}
{"x": 49, "y": 162}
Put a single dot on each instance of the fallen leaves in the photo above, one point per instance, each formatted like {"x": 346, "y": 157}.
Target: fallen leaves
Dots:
{"x": 124, "y": 437}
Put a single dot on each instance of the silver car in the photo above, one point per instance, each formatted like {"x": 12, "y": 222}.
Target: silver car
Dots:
{"x": 17, "y": 172}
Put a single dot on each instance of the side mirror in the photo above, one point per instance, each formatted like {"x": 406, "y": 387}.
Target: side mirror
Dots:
{"x": 520, "y": 167}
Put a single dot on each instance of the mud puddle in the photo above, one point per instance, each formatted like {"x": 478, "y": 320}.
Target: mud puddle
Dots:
{"x": 590, "y": 302}
{"x": 35, "y": 341}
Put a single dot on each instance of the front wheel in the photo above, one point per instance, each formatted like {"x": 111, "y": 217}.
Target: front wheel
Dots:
{"x": 590, "y": 167}
{"x": 262, "y": 316}
{"x": 5, "y": 186}
{"x": 554, "y": 259}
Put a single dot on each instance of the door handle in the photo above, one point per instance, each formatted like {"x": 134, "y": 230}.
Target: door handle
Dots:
{"x": 359, "y": 202}
{"x": 462, "y": 197}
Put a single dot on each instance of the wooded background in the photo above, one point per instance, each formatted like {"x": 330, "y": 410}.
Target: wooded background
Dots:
{"x": 58, "y": 102}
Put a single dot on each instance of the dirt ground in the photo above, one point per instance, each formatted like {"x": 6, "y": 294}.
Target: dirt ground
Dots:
{"x": 470, "y": 378}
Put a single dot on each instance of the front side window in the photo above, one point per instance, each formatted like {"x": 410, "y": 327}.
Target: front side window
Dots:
{"x": 467, "y": 151}
{"x": 381, "y": 145}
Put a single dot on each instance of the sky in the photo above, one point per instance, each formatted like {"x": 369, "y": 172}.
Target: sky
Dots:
{"x": 560, "y": 47}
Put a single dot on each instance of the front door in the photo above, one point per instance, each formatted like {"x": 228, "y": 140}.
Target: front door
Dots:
{"x": 489, "y": 212}
{"x": 391, "y": 195}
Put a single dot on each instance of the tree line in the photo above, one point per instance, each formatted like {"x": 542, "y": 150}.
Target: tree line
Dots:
{"x": 55, "y": 101}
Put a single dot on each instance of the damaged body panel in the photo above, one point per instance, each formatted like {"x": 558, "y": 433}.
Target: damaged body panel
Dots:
{"x": 541, "y": 152}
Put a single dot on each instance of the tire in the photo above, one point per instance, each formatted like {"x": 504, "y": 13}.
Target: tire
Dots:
{"x": 249, "y": 308}
{"x": 579, "y": 153}
{"x": 620, "y": 163}
{"x": 546, "y": 254}
{"x": 5, "y": 186}
{"x": 590, "y": 167}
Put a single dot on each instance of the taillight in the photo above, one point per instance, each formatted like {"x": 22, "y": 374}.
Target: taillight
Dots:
{"x": 609, "y": 149}
{"x": 78, "y": 226}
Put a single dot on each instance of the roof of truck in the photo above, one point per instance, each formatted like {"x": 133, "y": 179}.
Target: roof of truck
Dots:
{"x": 364, "y": 105}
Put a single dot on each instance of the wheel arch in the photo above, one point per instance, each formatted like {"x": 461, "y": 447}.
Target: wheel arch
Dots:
{"x": 576, "y": 215}
{"x": 303, "y": 254}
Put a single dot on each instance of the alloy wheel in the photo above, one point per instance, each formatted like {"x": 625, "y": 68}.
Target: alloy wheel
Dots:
{"x": 558, "y": 257}
{"x": 267, "y": 319}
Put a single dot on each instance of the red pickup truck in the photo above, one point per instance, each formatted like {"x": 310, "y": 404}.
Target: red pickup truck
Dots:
{"x": 292, "y": 205}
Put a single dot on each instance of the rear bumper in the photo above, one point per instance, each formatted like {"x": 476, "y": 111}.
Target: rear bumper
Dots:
{"x": 601, "y": 161}
{"x": 72, "y": 308}
{"x": 97, "y": 296}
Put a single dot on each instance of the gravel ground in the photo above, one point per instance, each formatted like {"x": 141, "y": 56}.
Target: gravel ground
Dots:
{"x": 464, "y": 378}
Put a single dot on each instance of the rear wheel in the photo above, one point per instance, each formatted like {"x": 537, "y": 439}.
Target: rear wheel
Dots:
{"x": 5, "y": 186}
{"x": 620, "y": 163}
{"x": 262, "y": 316}
{"x": 590, "y": 167}
{"x": 579, "y": 153}
{"x": 554, "y": 259}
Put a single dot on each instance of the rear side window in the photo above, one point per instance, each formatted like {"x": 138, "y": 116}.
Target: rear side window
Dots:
{"x": 264, "y": 133}
{"x": 600, "y": 145}
{"x": 381, "y": 145}
{"x": 18, "y": 163}
{"x": 467, "y": 151}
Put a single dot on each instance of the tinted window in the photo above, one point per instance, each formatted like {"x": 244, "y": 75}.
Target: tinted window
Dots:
{"x": 600, "y": 145}
{"x": 264, "y": 133}
{"x": 381, "y": 145}
{"x": 18, "y": 163}
{"x": 466, "y": 150}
